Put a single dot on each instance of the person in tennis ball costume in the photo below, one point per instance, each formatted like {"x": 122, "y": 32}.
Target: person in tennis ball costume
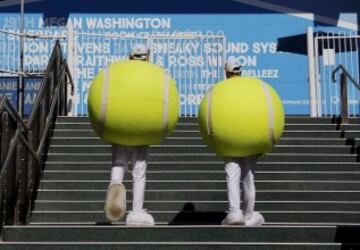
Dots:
{"x": 240, "y": 119}
{"x": 115, "y": 205}
{"x": 237, "y": 168}
{"x": 132, "y": 104}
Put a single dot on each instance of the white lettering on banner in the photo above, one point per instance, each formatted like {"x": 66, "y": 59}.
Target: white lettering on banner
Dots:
{"x": 36, "y": 47}
{"x": 296, "y": 102}
{"x": 8, "y": 85}
{"x": 191, "y": 99}
{"x": 127, "y": 23}
{"x": 208, "y": 73}
{"x": 267, "y": 47}
{"x": 93, "y": 48}
{"x": 97, "y": 60}
{"x": 237, "y": 47}
{"x": 30, "y": 98}
{"x": 36, "y": 60}
{"x": 32, "y": 85}
{"x": 52, "y": 21}
{"x": 201, "y": 86}
{"x": 214, "y": 47}
{"x": 172, "y": 47}
{"x": 182, "y": 61}
{"x": 262, "y": 73}
{"x": 245, "y": 60}
{"x": 14, "y": 22}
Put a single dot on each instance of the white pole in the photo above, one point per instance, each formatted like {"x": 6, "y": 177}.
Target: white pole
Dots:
{"x": 312, "y": 88}
{"x": 72, "y": 100}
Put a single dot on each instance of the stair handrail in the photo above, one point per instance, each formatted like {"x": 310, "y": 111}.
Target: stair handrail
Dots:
{"x": 24, "y": 144}
{"x": 343, "y": 90}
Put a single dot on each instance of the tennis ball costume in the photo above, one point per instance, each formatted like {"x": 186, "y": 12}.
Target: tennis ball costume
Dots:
{"x": 132, "y": 104}
{"x": 241, "y": 118}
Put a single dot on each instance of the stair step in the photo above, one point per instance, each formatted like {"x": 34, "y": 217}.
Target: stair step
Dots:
{"x": 288, "y": 119}
{"x": 301, "y": 157}
{"x": 91, "y": 133}
{"x": 202, "y": 218}
{"x": 209, "y": 165}
{"x": 195, "y": 126}
{"x": 87, "y": 125}
{"x": 206, "y": 205}
{"x": 197, "y": 140}
{"x": 173, "y": 245}
{"x": 213, "y": 184}
{"x": 219, "y": 194}
{"x": 339, "y": 149}
{"x": 308, "y": 189}
{"x": 176, "y": 233}
{"x": 205, "y": 175}
{"x": 196, "y": 133}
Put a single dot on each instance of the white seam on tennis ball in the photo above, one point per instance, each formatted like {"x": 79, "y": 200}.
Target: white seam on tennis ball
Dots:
{"x": 271, "y": 113}
{"x": 208, "y": 113}
{"x": 166, "y": 103}
{"x": 104, "y": 101}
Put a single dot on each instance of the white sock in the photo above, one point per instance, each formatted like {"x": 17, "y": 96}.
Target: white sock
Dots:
{"x": 117, "y": 174}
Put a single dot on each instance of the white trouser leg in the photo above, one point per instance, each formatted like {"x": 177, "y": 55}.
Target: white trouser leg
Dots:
{"x": 248, "y": 185}
{"x": 139, "y": 176}
{"x": 233, "y": 173}
{"x": 120, "y": 158}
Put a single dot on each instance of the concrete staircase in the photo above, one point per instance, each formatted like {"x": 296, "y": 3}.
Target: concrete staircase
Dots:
{"x": 308, "y": 190}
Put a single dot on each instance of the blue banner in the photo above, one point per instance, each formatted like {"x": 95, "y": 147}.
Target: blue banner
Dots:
{"x": 251, "y": 38}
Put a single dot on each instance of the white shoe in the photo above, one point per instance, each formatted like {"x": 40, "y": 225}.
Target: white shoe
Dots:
{"x": 139, "y": 218}
{"x": 234, "y": 218}
{"x": 115, "y": 205}
{"x": 255, "y": 219}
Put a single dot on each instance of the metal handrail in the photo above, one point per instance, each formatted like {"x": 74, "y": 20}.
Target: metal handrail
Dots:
{"x": 23, "y": 144}
{"x": 344, "y": 91}
{"x": 342, "y": 68}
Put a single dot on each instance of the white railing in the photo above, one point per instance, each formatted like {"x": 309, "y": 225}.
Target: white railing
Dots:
{"x": 331, "y": 50}
{"x": 37, "y": 51}
{"x": 194, "y": 59}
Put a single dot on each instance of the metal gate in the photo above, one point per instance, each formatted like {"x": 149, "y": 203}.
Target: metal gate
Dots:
{"x": 194, "y": 60}
{"x": 331, "y": 50}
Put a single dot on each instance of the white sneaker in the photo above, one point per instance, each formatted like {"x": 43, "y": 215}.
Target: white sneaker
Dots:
{"x": 255, "y": 219}
{"x": 234, "y": 218}
{"x": 139, "y": 218}
{"x": 115, "y": 205}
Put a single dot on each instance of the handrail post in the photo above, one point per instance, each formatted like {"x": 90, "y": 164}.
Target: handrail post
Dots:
{"x": 30, "y": 178}
{"x": 20, "y": 184}
{"x": 344, "y": 99}
{"x": 4, "y": 136}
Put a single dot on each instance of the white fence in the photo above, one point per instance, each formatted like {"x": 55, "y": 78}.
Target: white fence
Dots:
{"x": 37, "y": 50}
{"x": 330, "y": 50}
{"x": 195, "y": 60}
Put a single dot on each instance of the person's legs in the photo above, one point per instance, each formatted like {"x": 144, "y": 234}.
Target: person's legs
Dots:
{"x": 139, "y": 216}
{"x": 233, "y": 173}
{"x": 139, "y": 158}
{"x": 252, "y": 218}
{"x": 115, "y": 205}
{"x": 120, "y": 158}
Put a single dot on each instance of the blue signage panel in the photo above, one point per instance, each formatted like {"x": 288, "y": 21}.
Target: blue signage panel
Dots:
{"x": 250, "y": 38}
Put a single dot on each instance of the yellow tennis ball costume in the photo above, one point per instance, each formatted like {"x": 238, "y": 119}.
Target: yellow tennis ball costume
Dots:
{"x": 241, "y": 116}
{"x": 133, "y": 103}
